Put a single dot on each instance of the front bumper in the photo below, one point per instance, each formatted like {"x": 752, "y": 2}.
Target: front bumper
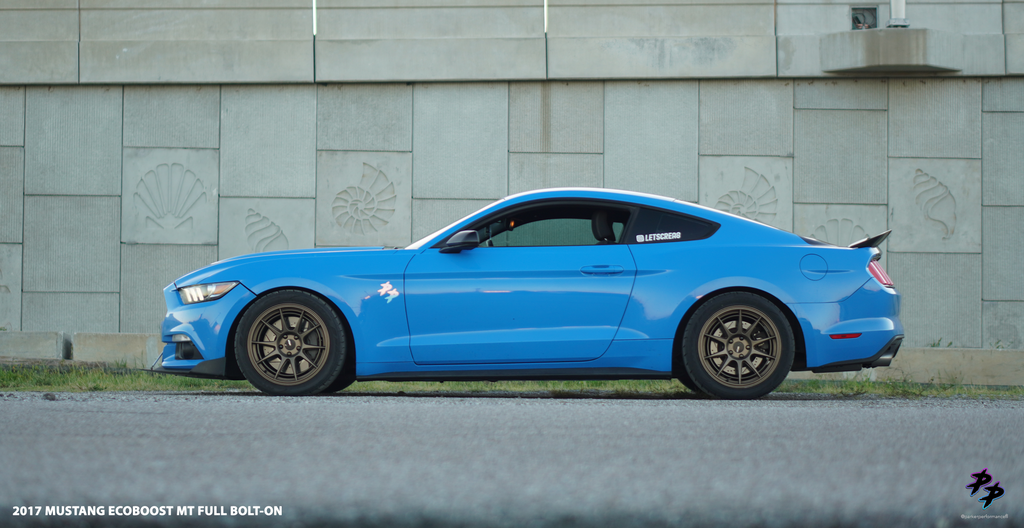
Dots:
{"x": 207, "y": 326}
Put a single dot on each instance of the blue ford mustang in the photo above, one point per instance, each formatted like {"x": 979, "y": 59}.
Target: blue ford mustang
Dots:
{"x": 552, "y": 284}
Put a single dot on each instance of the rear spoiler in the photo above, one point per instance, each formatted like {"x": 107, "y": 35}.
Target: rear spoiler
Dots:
{"x": 871, "y": 241}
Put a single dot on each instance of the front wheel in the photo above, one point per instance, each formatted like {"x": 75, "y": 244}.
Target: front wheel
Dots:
{"x": 738, "y": 346}
{"x": 290, "y": 343}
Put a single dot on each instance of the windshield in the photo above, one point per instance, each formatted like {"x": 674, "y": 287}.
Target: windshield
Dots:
{"x": 419, "y": 243}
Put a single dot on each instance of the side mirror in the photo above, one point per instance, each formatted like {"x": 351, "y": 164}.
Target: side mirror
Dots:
{"x": 461, "y": 240}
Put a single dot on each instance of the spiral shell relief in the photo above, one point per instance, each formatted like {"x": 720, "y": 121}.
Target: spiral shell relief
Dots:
{"x": 936, "y": 202}
{"x": 367, "y": 207}
{"x": 840, "y": 231}
{"x": 166, "y": 195}
{"x": 755, "y": 200}
{"x": 262, "y": 234}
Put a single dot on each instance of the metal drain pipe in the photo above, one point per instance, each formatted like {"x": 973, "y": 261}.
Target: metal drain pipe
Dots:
{"x": 897, "y": 14}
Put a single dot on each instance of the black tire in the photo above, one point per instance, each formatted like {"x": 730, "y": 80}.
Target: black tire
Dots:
{"x": 738, "y": 346}
{"x": 290, "y": 343}
{"x": 340, "y": 383}
{"x": 679, "y": 371}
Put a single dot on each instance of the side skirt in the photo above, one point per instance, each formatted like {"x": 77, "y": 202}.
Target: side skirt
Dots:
{"x": 566, "y": 374}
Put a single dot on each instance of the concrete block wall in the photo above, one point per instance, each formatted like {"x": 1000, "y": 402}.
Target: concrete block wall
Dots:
{"x": 111, "y": 192}
{"x": 285, "y": 41}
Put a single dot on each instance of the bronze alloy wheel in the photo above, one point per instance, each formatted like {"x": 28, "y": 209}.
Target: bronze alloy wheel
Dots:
{"x": 288, "y": 344}
{"x": 739, "y": 346}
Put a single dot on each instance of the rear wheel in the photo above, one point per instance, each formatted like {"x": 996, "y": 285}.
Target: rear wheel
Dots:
{"x": 738, "y": 346}
{"x": 290, "y": 343}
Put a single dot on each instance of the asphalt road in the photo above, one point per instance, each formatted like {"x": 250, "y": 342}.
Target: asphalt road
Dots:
{"x": 787, "y": 460}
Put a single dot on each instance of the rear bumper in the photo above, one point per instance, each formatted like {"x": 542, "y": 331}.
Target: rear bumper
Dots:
{"x": 883, "y": 358}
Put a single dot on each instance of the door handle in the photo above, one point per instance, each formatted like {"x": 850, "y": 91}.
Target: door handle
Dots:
{"x": 602, "y": 269}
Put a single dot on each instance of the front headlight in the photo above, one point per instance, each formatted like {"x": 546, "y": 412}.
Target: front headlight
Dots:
{"x": 205, "y": 292}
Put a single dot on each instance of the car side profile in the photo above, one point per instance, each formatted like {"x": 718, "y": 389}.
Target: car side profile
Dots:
{"x": 549, "y": 284}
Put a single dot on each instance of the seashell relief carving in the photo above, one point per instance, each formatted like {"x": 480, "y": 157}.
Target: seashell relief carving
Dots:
{"x": 936, "y": 202}
{"x": 839, "y": 231}
{"x": 367, "y": 207}
{"x": 755, "y": 200}
{"x": 166, "y": 195}
{"x": 263, "y": 234}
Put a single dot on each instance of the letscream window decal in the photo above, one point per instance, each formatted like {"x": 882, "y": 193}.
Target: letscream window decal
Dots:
{"x": 659, "y": 237}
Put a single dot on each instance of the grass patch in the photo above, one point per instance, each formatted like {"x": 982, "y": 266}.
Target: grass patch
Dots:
{"x": 68, "y": 377}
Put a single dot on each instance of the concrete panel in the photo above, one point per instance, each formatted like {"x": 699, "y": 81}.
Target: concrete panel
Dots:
{"x": 169, "y": 196}
{"x": 650, "y": 142}
{"x": 969, "y": 366}
{"x": 1013, "y": 17}
{"x": 759, "y": 188}
{"x": 132, "y": 350}
{"x": 964, "y": 18}
{"x": 146, "y": 22}
{"x": 1014, "y": 54}
{"x": 1002, "y": 325}
{"x": 12, "y": 187}
{"x": 268, "y": 141}
{"x": 935, "y": 118}
{"x": 556, "y": 117}
{"x": 840, "y": 224}
{"x": 72, "y": 244}
{"x": 10, "y": 288}
{"x": 430, "y": 215}
{"x": 255, "y": 225}
{"x": 470, "y": 20}
{"x": 70, "y": 312}
{"x": 1002, "y": 158}
{"x": 935, "y": 205}
{"x": 659, "y": 58}
{"x": 363, "y": 199}
{"x": 38, "y": 24}
{"x": 540, "y": 171}
{"x": 32, "y": 345}
{"x": 364, "y": 117}
{"x": 1003, "y": 95}
{"x": 38, "y": 62}
{"x": 73, "y": 140}
{"x": 941, "y": 297}
{"x": 12, "y": 115}
{"x": 715, "y": 20}
{"x": 197, "y": 61}
{"x": 145, "y": 271}
{"x": 746, "y": 117}
{"x": 909, "y": 50}
{"x": 1003, "y": 243}
{"x": 172, "y": 116}
{"x": 842, "y": 94}
{"x": 840, "y": 156}
{"x": 984, "y": 55}
{"x": 429, "y": 60}
{"x": 461, "y": 140}
{"x": 799, "y": 56}
{"x": 813, "y": 19}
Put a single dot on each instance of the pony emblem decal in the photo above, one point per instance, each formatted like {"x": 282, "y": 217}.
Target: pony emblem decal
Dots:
{"x": 389, "y": 290}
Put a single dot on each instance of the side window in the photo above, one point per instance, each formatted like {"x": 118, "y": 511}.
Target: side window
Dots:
{"x": 662, "y": 226}
{"x": 556, "y": 225}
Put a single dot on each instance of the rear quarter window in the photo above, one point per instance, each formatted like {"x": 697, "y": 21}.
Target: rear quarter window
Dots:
{"x": 654, "y": 226}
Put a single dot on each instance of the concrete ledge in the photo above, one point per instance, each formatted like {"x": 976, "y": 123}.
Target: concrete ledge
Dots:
{"x": 39, "y": 62}
{"x": 892, "y": 51}
{"x": 135, "y": 350}
{"x": 34, "y": 345}
{"x": 969, "y": 366}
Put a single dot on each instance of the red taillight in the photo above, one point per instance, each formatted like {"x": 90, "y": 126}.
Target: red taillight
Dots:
{"x": 844, "y": 336}
{"x": 879, "y": 274}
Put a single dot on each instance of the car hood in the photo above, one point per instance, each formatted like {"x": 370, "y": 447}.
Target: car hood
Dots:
{"x": 222, "y": 269}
